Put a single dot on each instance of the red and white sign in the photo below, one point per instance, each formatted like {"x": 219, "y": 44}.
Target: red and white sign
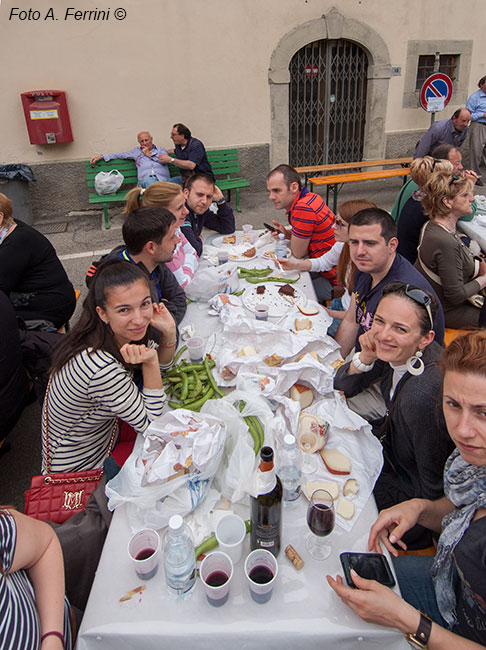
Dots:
{"x": 436, "y": 92}
{"x": 311, "y": 70}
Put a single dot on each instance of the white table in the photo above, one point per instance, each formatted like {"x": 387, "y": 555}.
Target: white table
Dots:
{"x": 475, "y": 231}
{"x": 303, "y": 612}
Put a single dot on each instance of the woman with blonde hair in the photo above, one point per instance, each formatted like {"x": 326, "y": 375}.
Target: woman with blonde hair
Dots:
{"x": 169, "y": 195}
{"x": 412, "y": 216}
{"x": 456, "y": 275}
{"x": 338, "y": 255}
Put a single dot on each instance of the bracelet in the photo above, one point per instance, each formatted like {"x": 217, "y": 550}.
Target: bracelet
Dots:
{"x": 421, "y": 637}
{"x": 168, "y": 345}
{"x": 359, "y": 365}
{"x": 54, "y": 633}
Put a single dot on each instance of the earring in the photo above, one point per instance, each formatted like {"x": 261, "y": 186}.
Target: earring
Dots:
{"x": 412, "y": 369}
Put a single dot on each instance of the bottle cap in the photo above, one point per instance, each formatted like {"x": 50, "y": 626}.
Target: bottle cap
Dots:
{"x": 176, "y": 522}
{"x": 289, "y": 439}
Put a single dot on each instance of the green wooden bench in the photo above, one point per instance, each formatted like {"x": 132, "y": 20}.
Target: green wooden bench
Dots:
{"x": 225, "y": 163}
{"x": 125, "y": 167}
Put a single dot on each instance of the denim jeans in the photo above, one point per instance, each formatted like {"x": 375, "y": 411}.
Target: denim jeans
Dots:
{"x": 337, "y": 305}
{"x": 415, "y": 582}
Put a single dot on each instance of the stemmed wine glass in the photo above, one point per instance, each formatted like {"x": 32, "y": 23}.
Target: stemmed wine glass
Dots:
{"x": 320, "y": 519}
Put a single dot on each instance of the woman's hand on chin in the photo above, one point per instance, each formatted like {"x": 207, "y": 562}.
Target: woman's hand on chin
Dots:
{"x": 135, "y": 354}
{"x": 367, "y": 342}
{"x": 163, "y": 320}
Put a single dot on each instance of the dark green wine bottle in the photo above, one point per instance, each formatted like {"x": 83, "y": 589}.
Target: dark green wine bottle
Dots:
{"x": 266, "y": 508}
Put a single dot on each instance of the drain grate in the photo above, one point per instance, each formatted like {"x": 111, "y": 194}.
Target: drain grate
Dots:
{"x": 52, "y": 228}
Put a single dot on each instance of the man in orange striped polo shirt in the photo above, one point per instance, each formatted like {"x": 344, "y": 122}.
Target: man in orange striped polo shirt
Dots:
{"x": 311, "y": 233}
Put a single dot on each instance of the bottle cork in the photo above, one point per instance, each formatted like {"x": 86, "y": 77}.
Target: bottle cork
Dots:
{"x": 294, "y": 557}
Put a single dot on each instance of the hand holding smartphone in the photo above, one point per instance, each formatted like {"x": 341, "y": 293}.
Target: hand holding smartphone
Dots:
{"x": 371, "y": 566}
{"x": 269, "y": 227}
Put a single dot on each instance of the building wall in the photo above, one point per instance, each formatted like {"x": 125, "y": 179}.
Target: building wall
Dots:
{"x": 204, "y": 64}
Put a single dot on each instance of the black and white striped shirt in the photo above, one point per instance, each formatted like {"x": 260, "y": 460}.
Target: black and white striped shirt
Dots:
{"x": 19, "y": 619}
{"x": 85, "y": 398}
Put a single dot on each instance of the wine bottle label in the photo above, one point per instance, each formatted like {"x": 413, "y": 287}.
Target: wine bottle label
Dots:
{"x": 267, "y": 535}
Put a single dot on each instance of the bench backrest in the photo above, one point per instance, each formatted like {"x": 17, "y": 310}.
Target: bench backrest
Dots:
{"x": 224, "y": 162}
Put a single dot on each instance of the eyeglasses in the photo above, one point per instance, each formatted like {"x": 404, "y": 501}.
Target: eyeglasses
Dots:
{"x": 422, "y": 298}
{"x": 436, "y": 162}
{"x": 340, "y": 224}
{"x": 454, "y": 178}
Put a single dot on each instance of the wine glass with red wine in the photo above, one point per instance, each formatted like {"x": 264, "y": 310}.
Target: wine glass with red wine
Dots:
{"x": 320, "y": 519}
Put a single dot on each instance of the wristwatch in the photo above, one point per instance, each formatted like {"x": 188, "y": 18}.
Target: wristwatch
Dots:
{"x": 172, "y": 160}
{"x": 421, "y": 637}
{"x": 359, "y": 365}
{"x": 221, "y": 200}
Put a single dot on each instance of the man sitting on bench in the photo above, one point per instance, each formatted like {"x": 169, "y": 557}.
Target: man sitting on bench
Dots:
{"x": 150, "y": 160}
{"x": 189, "y": 155}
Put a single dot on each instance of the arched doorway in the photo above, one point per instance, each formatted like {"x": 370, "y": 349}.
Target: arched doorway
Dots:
{"x": 327, "y": 102}
{"x": 333, "y": 26}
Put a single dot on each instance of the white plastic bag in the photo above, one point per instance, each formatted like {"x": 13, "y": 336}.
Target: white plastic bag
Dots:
{"x": 214, "y": 279}
{"x": 108, "y": 182}
{"x": 152, "y": 505}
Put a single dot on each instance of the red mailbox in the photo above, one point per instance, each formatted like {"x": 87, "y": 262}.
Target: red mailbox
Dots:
{"x": 47, "y": 116}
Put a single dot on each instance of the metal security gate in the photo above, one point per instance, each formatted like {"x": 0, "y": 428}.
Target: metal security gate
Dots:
{"x": 327, "y": 103}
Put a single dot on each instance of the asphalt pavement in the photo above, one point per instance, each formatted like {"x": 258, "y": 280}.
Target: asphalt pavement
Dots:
{"x": 84, "y": 240}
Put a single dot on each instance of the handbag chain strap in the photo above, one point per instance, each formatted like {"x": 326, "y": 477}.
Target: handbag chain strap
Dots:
{"x": 49, "y": 479}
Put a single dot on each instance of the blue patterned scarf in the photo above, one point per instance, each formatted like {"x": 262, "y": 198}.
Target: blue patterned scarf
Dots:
{"x": 465, "y": 487}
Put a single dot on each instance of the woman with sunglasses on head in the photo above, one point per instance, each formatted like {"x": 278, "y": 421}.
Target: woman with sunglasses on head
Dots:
{"x": 399, "y": 351}
{"x": 169, "y": 195}
{"x": 338, "y": 255}
{"x": 92, "y": 372}
{"x": 444, "y": 598}
{"x": 456, "y": 275}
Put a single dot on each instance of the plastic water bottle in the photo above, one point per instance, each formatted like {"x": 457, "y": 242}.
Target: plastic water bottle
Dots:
{"x": 289, "y": 468}
{"x": 281, "y": 246}
{"x": 179, "y": 559}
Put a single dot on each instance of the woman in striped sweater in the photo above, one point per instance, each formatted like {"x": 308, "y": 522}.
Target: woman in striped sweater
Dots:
{"x": 92, "y": 375}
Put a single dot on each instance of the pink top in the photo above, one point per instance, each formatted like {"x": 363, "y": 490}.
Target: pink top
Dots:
{"x": 185, "y": 261}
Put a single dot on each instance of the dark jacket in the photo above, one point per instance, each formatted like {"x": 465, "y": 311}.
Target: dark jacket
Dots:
{"x": 416, "y": 444}
{"x": 223, "y": 222}
{"x": 164, "y": 285}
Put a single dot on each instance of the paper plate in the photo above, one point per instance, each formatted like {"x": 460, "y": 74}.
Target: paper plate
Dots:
{"x": 277, "y": 304}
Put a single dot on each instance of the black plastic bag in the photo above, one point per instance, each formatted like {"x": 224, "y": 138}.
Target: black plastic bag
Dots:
{"x": 16, "y": 172}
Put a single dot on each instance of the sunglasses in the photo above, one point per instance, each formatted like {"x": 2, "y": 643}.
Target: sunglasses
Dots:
{"x": 436, "y": 162}
{"x": 454, "y": 179}
{"x": 340, "y": 224}
{"x": 420, "y": 297}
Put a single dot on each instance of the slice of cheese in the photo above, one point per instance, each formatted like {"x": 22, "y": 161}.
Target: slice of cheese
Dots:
{"x": 302, "y": 394}
{"x": 336, "y": 462}
{"x": 351, "y": 487}
{"x": 345, "y": 508}
{"x": 331, "y": 486}
{"x": 247, "y": 351}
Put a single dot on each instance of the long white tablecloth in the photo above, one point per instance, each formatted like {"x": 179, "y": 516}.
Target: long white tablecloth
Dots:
{"x": 303, "y": 612}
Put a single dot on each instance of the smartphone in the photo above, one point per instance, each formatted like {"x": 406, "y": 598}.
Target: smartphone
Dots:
{"x": 269, "y": 227}
{"x": 372, "y": 566}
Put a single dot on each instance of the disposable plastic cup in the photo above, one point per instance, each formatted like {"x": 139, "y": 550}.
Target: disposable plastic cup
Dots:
{"x": 144, "y": 550}
{"x": 216, "y": 572}
{"x": 261, "y": 312}
{"x": 196, "y": 348}
{"x": 247, "y": 227}
{"x": 261, "y": 571}
{"x": 223, "y": 257}
{"x": 230, "y": 533}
